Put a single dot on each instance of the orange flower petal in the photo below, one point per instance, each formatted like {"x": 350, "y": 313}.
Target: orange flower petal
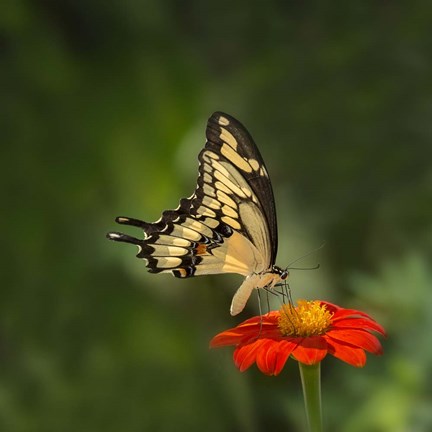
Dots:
{"x": 359, "y": 338}
{"x": 266, "y": 356}
{"x": 349, "y": 354}
{"x": 226, "y": 338}
{"x": 310, "y": 350}
{"x": 356, "y": 323}
{"x": 341, "y": 313}
{"x": 286, "y": 347}
{"x": 246, "y": 332}
{"x": 268, "y": 318}
{"x": 272, "y": 356}
{"x": 245, "y": 356}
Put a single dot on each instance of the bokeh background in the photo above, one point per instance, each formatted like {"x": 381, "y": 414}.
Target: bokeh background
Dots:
{"x": 103, "y": 111}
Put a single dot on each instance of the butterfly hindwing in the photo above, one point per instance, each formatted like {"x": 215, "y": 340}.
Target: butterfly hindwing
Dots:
{"x": 190, "y": 246}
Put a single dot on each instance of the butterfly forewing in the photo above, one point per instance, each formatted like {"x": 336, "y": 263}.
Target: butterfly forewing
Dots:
{"x": 231, "y": 139}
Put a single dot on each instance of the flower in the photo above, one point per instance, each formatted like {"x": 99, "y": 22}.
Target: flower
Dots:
{"x": 307, "y": 332}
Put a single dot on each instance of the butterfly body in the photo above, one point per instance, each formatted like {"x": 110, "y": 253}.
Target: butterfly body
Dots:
{"x": 228, "y": 225}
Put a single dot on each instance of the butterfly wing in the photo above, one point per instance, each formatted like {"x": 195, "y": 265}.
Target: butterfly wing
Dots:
{"x": 228, "y": 225}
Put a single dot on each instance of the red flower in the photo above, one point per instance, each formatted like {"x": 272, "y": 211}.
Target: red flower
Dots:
{"x": 306, "y": 332}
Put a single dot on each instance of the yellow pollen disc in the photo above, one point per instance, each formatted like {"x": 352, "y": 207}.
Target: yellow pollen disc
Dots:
{"x": 309, "y": 318}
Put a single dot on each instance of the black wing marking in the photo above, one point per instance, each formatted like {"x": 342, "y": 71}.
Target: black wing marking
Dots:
{"x": 233, "y": 196}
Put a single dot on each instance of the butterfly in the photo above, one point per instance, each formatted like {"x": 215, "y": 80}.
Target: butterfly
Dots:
{"x": 228, "y": 225}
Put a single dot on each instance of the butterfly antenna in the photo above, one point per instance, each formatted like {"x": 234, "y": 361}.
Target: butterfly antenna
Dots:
{"x": 304, "y": 256}
{"x": 315, "y": 267}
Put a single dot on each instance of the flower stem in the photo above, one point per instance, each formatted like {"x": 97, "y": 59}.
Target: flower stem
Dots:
{"x": 311, "y": 383}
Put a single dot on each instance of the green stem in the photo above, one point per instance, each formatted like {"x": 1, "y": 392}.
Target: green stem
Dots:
{"x": 311, "y": 383}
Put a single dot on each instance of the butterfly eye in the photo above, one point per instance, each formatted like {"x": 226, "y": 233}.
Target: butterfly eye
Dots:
{"x": 283, "y": 274}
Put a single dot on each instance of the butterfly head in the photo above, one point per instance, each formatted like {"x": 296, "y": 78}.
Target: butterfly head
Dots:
{"x": 283, "y": 273}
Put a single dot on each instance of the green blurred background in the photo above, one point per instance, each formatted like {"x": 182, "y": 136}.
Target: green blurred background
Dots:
{"x": 103, "y": 112}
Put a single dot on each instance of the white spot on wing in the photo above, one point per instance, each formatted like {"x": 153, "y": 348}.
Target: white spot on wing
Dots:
{"x": 114, "y": 236}
{"x": 223, "y": 121}
{"x": 254, "y": 164}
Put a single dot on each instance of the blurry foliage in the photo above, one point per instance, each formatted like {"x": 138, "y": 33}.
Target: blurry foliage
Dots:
{"x": 103, "y": 111}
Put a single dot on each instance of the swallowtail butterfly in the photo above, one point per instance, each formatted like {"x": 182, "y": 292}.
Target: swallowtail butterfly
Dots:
{"x": 228, "y": 225}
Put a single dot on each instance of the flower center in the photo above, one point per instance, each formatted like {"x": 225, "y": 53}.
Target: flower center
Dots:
{"x": 309, "y": 318}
